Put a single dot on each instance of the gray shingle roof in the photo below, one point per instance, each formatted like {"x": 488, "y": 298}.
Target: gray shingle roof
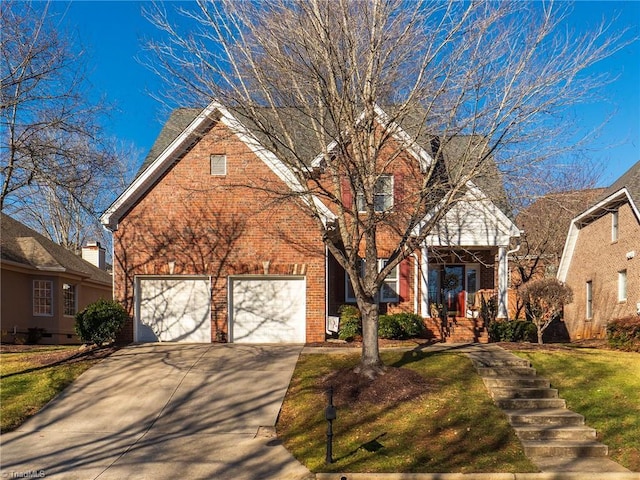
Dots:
{"x": 23, "y": 245}
{"x": 631, "y": 180}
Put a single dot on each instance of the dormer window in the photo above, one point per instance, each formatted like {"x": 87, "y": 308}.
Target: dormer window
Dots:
{"x": 218, "y": 165}
{"x": 382, "y": 195}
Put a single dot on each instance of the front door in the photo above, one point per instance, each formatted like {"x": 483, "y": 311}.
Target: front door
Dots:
{"x": 453, "y": 290}
{"x": 452, "y": 287}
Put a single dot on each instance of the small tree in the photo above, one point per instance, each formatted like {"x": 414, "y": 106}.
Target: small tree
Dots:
{"x": 99, "y": 322}
{"x": 544, "y": 300}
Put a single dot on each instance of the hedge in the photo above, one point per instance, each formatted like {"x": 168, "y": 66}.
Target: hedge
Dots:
{"x": 624, "y": 333}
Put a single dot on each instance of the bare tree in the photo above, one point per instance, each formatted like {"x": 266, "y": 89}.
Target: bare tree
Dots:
{"x": 55, "y": 159}
{"x": 544, "y": 299}
{"x": 484, "y": 83}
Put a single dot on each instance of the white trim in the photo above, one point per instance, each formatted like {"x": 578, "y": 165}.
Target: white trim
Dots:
{"x": 574, "y": 229}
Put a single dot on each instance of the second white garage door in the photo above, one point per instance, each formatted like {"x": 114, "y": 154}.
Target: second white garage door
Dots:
{"x": 173, "y": 309}
{"x": 267, "y": 309}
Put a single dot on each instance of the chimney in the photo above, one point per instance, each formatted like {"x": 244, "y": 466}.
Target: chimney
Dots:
{"x": 94, "y": 254}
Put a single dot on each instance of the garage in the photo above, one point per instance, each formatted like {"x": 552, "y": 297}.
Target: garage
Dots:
{"x": 269, "y": 309}
{"x": 173, "y": 309}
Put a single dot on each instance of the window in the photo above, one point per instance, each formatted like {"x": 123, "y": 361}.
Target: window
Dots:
{"x": 382, "y": 195}
{"x": 622, "y": 286}
{"x": 42, "y": 297}
{"x": 218, "y": 165}
{"x": 70, "y": 306}
{"x": 589, "y": 300}
{"x": 389, "y": 291}
{"x": 614, "y": 226}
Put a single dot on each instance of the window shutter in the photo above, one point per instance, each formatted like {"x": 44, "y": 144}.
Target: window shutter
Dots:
{"x": 347, "y": 194}
{"x": 405, "y": 273}
{"x": 398, "y": 187}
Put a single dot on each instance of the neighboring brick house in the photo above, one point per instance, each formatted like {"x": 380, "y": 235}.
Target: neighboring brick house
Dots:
{"x": 601, "y": 260}
{"x": 44, "y": 285}
{"x": 203, "y": 252}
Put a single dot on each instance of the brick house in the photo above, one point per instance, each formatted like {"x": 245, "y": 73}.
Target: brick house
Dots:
{"x": 600, "y": 261}
{"x": 44, "y": 285}
{"x": 203, "y": 252}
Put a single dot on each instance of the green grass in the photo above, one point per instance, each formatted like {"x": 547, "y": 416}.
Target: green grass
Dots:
{"x": 26, "y": 385}
{"x": 455, "y": 427}
{"x": 604, "y": 386}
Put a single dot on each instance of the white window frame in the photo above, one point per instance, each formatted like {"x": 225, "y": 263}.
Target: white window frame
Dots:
{"x": 39, "y": 287}
{"x": 614, "y": 226}
{"x": 386, "y": 197}
{"x": 66, "y": 289}
{"x": 220, "y": 169}
{"x": 622, "y": 286}
{"x": 589, "y": 300}
{"x": 392, "y": 281}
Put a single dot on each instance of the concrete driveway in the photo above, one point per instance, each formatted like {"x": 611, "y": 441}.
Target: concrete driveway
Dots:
{"x": 164, "y": 411}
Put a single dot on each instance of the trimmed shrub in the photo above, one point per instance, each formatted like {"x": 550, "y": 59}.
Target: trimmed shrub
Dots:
{"x": 411, "y": 324}
{"x": 350, "y": 323}
{"x": 389, "y": 327}
{"x": 100, "y": 321}
{"x": 513, "y": 331}
{"x": 624, "y": 334}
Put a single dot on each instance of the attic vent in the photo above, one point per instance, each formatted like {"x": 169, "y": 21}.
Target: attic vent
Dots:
{"x": 218, "y": 164}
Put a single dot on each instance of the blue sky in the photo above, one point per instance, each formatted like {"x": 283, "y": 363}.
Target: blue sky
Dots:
{"x": 112, "y": 33}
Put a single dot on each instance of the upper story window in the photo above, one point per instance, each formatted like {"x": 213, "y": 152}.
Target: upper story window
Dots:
{"x": 70, "y": 304}
{"x": 43, "y": 298}
{"x": 622, "y": 286}
{"x": 614, "y": 226}
{"x": 218, "y": 165}
{"x": 589, "y": 306}
{"x": 382, "y": 195}
{"x": 389, "y": 291}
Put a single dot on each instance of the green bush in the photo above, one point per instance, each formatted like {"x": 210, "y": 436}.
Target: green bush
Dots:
{"x": 412, "y": 325}
{"x": 99, "y": 322}
{"x": 624, "y": 334}
{"x": 389, "y": 327}
{"x": 512, "y": 331}
{"x": 350, "y": 323}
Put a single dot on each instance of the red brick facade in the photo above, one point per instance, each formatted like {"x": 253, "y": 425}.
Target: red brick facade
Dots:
{"x": 599, "y": 259}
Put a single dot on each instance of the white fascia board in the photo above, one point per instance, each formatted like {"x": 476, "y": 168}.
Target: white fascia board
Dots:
{"x": 420, "y": 154}
{"x": 153, "y": 171}
{"x": 572, "y": 236}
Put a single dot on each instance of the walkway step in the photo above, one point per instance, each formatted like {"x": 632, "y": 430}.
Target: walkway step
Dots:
{"x": 506, "y": 371}
{"x": 569, "y": 448}
{"x": 526, "y": 392}
{"x": 526, "y": 403}
{"x": 538, "y": 433}
{"x": 544, "y": 417}
{"x": 516, "y": 382}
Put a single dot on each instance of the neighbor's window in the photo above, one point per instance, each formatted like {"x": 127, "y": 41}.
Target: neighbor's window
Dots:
{"x": 589, "y": 300}
{"x": 622, "y": 286}
{"x": 218, "y": 165}
{"x": 43, "y": 297}
{"x": 382, "y": 195}
{"x": 614, "y": 226}
{"x": 70, "y": 305}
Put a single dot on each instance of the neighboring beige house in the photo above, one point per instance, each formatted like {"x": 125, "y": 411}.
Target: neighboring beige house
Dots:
{"x": 44, "y": 285}
{"x": 601, "y": 260}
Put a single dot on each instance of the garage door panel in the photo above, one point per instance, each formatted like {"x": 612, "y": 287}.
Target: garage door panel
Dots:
{"x": 174, "y": 309}
{"x": 268, "y": 310}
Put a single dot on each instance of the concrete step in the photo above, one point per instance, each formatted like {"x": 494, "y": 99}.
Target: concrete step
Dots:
{"x": 499, "y": 393}
{"x": 566, "y": 448}
{"x": 526, "y": 403}
{"x": 499, "y": 360}
{"x": 544, "y": 417}
{"x": 516, "y": 382}
{"x": 506, "y": 371}
{"x": 539, "y": 433}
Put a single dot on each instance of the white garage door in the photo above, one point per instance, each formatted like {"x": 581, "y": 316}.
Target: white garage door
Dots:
{"x": 173, "y": 309}
{"x": 268, "y": 309}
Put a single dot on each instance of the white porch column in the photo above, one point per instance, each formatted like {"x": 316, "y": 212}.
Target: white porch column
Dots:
{"x": 503, "y": 282}
{"x": 424, "y": 283}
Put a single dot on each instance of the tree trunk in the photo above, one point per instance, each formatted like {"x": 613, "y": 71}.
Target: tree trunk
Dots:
{"x": 540, "y": 331}
{"x": 370, "y": 363}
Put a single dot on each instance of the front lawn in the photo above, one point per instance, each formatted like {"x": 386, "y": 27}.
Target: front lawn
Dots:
{"x": 602, "y": 385}
{"x": 453, "y": 427}
{"x": 30, "y": 376}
